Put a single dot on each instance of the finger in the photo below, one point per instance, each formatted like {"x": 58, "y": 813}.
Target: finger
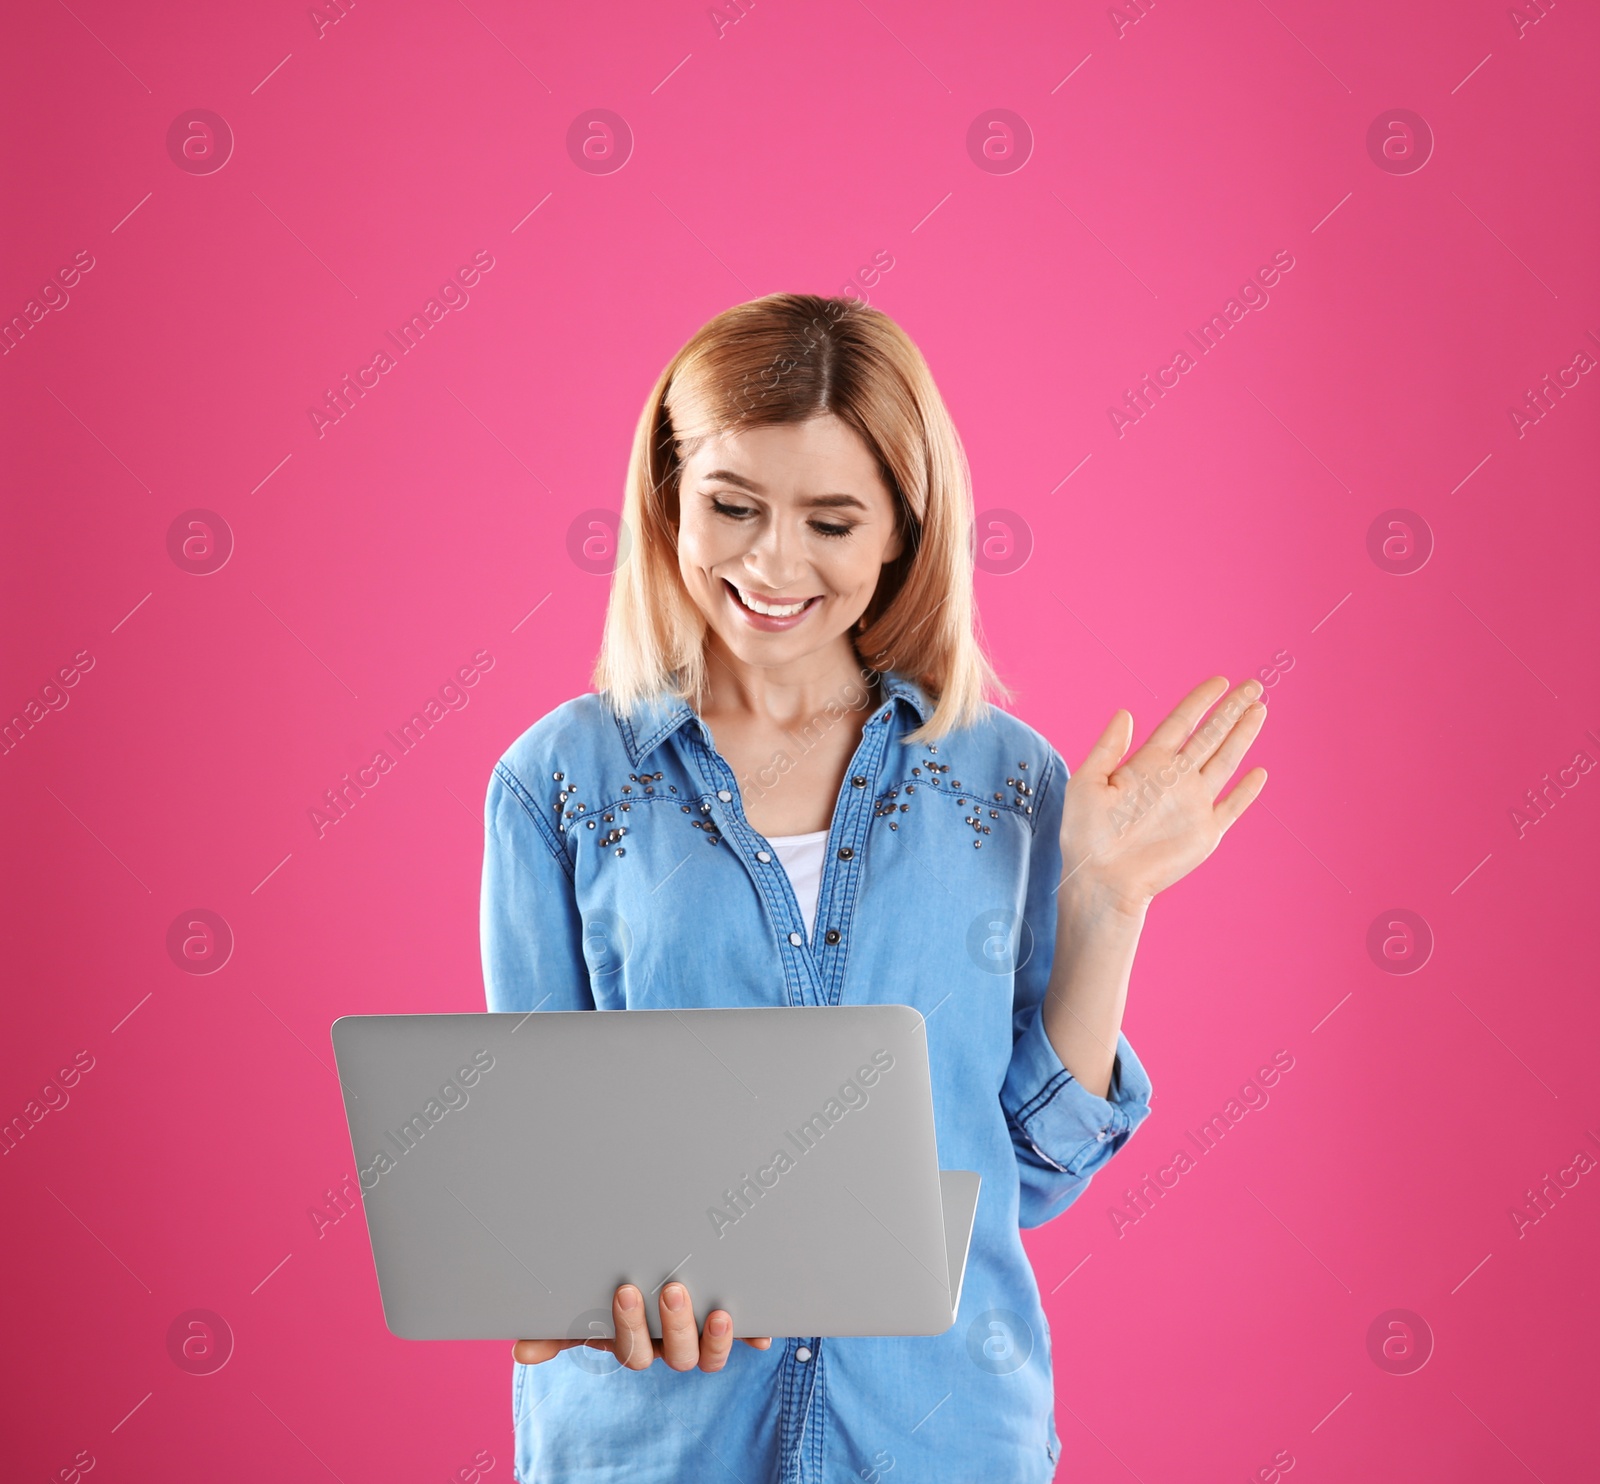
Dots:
{"x": 632, "y": 1346}
{"x": 1216, "y": 728}
{"x": 680, "y": 1338}
{"x": 1174, "y": 731}
{"x": 536, "y": 1352}
{"x": 717, "y": 1341}
{"x": 1110, "y": 749}
{"x": 1241, "y": 798}
{"x": 1231, "y": 753}
{"x": 765, "y": 1343}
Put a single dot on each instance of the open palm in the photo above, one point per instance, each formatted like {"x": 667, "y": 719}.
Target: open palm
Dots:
{"x": 1132, "y": 826}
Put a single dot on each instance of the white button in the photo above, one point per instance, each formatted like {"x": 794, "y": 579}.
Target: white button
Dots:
{"x": 802, "y": 1354}
{"x": 796, "y": 939}
{"x": 724, "y": 795}
{"x": 1101, "y": 1136}
{"x": 763, "y": 857}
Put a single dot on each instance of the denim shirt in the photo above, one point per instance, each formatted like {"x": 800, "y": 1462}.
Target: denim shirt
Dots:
{"x": 620, "y": 872}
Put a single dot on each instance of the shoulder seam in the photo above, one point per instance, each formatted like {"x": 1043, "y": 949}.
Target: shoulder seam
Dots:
{"x": 518, "y": 791}
{"x": 1046, "y": 785}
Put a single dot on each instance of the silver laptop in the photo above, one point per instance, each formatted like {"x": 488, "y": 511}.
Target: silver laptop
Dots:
{"x": 780, "y": 1162}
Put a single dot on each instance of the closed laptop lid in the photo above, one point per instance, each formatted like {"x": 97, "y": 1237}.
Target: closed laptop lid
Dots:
{"x": 779, "y": 1161}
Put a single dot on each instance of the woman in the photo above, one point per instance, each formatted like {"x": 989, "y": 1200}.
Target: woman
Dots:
{"x": 791, "y": 790}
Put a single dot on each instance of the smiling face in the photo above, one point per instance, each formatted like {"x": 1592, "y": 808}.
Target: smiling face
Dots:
{"x": 783, "y": 532}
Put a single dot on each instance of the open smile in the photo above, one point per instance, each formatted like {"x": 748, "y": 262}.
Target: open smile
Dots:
{"x": 766, "y": 614}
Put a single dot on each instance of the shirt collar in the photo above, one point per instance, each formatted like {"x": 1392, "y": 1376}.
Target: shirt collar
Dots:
{"x": 654, "y": 720}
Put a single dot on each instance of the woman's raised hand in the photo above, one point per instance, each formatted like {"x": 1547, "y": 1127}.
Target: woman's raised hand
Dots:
{"x": 682, "y": 1345}
{"x": 1131, "y": 826}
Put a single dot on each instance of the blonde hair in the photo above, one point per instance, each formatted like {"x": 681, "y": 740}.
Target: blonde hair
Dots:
{"x": 781, "y": 359}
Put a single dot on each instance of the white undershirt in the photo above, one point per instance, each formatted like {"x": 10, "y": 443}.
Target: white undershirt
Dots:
{"x": 801, "y": 856}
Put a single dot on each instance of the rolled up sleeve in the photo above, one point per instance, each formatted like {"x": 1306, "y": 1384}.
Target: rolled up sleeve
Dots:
{"x": 1064, "y": 1132}
{"x": 1061, "y": 1131}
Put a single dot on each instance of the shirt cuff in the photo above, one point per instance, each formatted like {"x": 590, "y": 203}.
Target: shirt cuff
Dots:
{"x": 1070, "y": 1128}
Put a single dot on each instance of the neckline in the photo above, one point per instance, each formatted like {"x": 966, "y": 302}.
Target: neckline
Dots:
{"x": 799, "y": 839}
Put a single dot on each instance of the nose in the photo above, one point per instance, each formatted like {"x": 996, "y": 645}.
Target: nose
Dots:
{"x": 776, "y": 558}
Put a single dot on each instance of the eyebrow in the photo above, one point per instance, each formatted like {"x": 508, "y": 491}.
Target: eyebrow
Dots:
{"x": 727, "y": 476}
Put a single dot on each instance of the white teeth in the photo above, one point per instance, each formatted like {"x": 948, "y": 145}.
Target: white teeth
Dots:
{"x": 771, "y": 610}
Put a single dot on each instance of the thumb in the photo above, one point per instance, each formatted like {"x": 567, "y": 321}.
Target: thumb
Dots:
{"x": 1112, "y": 747}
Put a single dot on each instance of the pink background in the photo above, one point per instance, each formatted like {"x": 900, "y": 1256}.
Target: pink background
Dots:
{"x": 1225, "y": 531}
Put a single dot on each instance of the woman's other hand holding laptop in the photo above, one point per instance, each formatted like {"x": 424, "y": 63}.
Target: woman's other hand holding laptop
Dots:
{"x": 682, "y": 1345}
